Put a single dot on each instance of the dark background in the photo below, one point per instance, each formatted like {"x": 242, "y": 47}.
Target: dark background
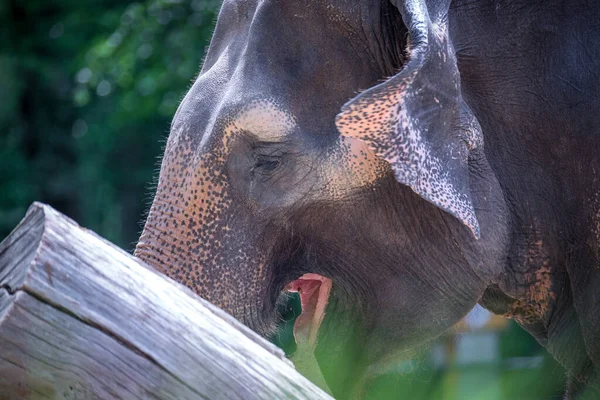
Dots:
{"x": 88, "y": 89}
{"x": 87, "y": 93}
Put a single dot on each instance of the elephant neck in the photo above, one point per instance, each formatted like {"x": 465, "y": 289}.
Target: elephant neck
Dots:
{"x": 534, "y": 289}
{"x": 488, "y": 255}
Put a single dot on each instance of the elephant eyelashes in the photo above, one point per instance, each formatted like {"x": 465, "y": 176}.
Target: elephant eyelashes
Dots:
{"x": 266, "y": 164}
{"x": 268, "y": 157}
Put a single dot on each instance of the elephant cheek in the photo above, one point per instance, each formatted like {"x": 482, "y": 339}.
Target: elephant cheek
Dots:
{"x": 352, "y": 165}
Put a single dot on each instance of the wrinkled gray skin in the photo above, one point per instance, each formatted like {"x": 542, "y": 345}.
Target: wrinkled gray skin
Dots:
{"x": 413, "y": 209}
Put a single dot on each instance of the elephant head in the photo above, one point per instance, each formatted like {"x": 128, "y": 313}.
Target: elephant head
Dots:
{"x": 266, "y": 186}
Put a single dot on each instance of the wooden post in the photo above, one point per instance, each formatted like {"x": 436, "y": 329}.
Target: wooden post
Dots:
{"x": 82, "y": 319}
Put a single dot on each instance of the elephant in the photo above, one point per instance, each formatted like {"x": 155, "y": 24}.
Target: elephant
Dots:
{"x": 396, "y": 162}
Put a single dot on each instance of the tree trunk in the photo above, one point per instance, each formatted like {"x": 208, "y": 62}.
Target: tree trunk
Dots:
{"x": 82, "y": 319}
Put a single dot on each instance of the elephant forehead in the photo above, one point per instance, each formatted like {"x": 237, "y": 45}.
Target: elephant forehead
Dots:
{"x": 191, "y": 139}
{"x": 266, "y": 120}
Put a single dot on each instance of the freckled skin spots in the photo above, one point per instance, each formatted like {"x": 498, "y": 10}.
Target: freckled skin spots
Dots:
{"x": 263, "y": 119}
{"x": 533, "y": 288}
{"x": 195, "y": 220}
{"x": 536, "y": 300}
{"x": 352, "y": 165}
{"x": 193, "y": 223}
{"x": 403, "y": 106}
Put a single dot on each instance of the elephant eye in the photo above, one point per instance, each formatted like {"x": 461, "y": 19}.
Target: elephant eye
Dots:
{"x": 266, "y": 164}
{"x": 268, "y": 157}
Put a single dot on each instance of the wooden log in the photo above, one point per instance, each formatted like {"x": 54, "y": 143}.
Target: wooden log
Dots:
{"x": 82, "y": 319}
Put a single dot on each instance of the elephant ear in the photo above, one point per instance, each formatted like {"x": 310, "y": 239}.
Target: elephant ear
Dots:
{"x": 417, "y": 120}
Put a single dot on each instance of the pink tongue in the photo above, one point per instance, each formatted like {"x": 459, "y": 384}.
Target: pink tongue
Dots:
{"x": 314, "y": 293}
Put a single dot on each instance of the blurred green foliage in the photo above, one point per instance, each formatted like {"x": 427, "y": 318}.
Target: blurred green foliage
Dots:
{"x": 88, "y": 91}
{"x": 523, "y": 371}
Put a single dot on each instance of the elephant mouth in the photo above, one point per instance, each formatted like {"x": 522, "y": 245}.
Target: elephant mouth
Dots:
{"x": 314, "y": 291}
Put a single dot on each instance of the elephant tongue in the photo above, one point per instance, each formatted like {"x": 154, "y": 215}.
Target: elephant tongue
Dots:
{"x": 314, "y": 293}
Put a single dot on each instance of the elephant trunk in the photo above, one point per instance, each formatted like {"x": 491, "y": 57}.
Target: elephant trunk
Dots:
{"x": 238, "y": 289}
{"x": 197, "y": 236}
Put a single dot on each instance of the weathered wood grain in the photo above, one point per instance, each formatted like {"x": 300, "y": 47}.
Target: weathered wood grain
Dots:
{"x": 81, "y": 319}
